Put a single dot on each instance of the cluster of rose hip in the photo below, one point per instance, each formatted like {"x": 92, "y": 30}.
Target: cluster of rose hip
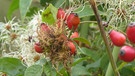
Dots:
{"x": 64, "y": 21}
{"x": 127, "y": 51}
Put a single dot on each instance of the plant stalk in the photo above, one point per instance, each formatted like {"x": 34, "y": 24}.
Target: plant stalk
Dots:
{"x": 84, "y": 28}
{"x": 95, "y": 10}
{"x": 109, "y": 71}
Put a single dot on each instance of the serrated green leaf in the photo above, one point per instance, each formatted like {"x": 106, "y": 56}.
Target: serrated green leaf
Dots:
{"x": 49, "y": 14}
{"x": 12, "y": 66}
{"x": 49, "y": 70}
{"x": 79, "y": 70}
{"x": 34, "y": 70}
{"x": 83, "y": 40}
{"x": 24, "y": 7}
{"x": 13, "y": 6}
{"x": 62, "y": 71}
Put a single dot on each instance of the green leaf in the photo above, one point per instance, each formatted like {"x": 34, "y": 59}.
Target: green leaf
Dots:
{"x": 43, "y": 2}
{"x": 83, "y": 40}
{"x": 24, "y": 7}
{"x": 58, "y": 3}
{"x": 49, "y": 70}
{"x": 32, "y": 11}
{"x": 41, "y": 61}
{"x": 122, "y": 65}
{"x": 14, "y": 5}
{"x": 34, "y": 70}
{"x": 127, "y": 69}
{"x": 104, "y": 62}
{"x": 78, "y": 60}
{"x": 94, "y": 65}
{"x": 88, "y": 52}
{"x": 12, "y": 66}
{"x": 49, "y": 15}
{"x": 79, "y": 70}
{"x": 85, "y": 10}
{"x": 127, "y": 72}
{"x": 62, "y": 71}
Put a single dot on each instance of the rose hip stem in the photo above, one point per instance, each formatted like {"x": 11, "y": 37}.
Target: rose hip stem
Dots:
{"x": 95, "y": 10}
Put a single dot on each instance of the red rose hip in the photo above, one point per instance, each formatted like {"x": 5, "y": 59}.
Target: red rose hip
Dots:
{"x": 117, "y": 38}
{"x": 72, "y": 47}
{"x": 61, "y": 14}
{"x": 73, "y": 21}
{"x": 44, "y": 27}
{"x": 130, "y": 31}
{"x": 38, "y": 48}
{"x": 74, "y": 35}
{"x": 127, "y": 53}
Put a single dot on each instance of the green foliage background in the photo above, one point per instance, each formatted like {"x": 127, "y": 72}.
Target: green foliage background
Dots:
{"x": 89, "y": 61}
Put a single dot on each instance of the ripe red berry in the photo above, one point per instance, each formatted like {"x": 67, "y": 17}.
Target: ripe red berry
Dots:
{"x": 72, "y": 47}
{"x": 127, "y": 53}
{"x": 131, "y": 32}
{"x": 75, "y": 35}
{"x": 38, "y": 48}
{"x": 44, "y": 27}
{"x": 117, "y": 38}
{"x": 73, "y": 21}
{"x": 61, "y": 14}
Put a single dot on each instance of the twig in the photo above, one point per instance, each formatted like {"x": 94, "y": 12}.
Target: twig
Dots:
{"x": 94, "y": 7}
{"x": 88, "y": 22}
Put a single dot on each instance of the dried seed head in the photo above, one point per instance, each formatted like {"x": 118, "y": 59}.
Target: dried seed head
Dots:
{"x": 55, "y": 44}
{"x": 36, "y": 58}
{"x": 8, "y": 27}
{"x": 4, "y": 74}
{"x": 13, "y": 36}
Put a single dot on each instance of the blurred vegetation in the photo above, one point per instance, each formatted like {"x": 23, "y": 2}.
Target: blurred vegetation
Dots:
{"x": 5, "y": 6}
{"x": 91, "y": 58}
